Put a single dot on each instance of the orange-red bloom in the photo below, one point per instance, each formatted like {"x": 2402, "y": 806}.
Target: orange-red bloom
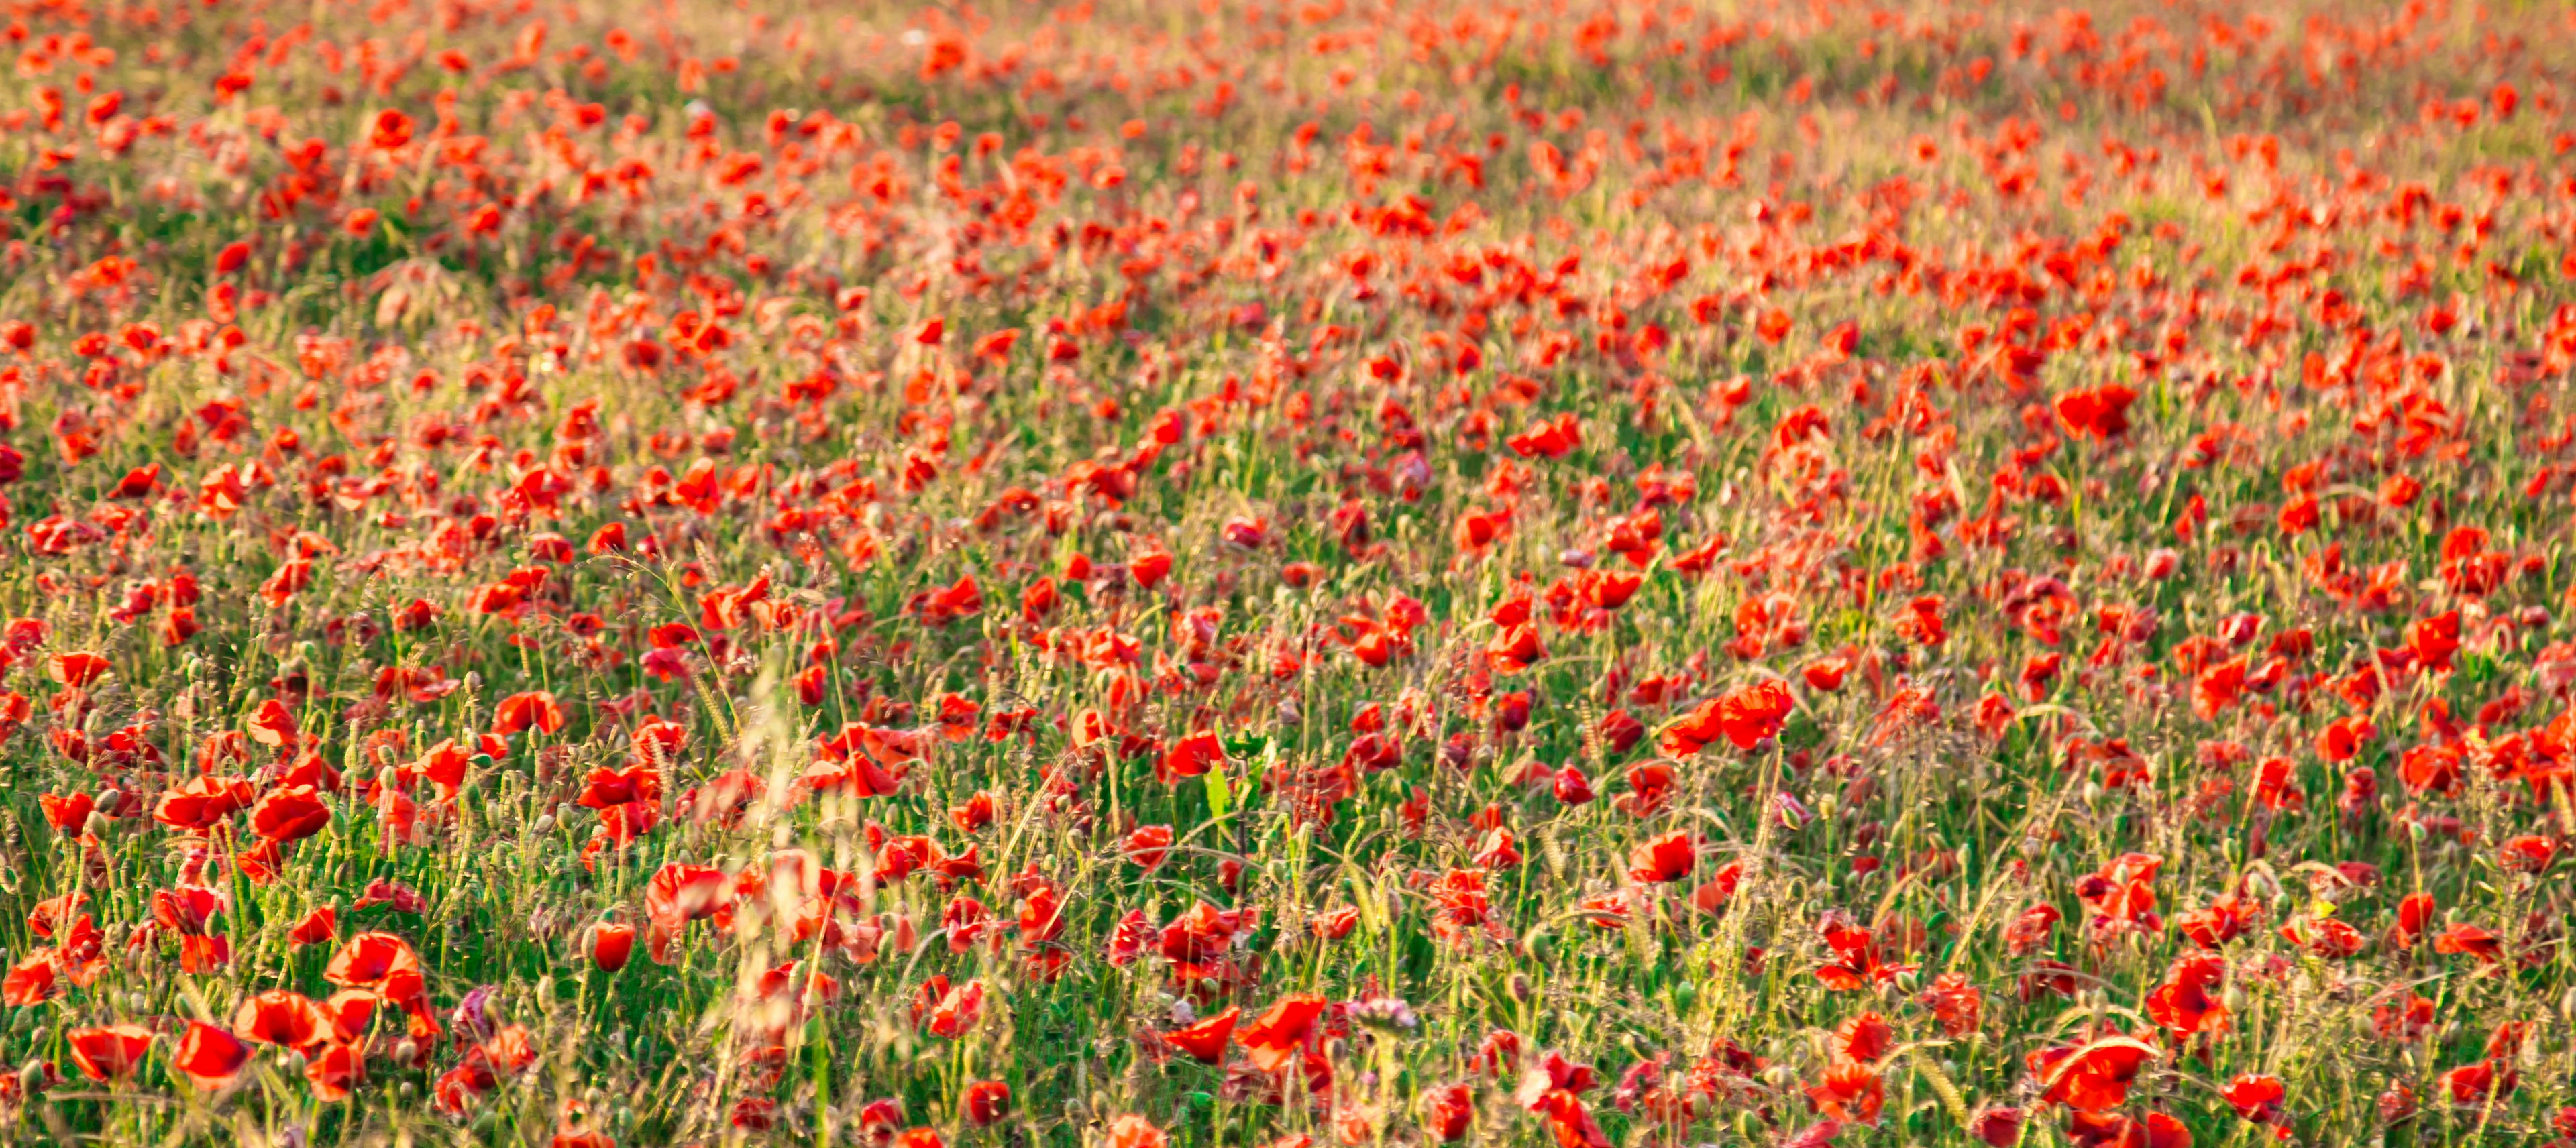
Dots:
{"x": 1276, "y": 1036}
{"x": 210, "y": 1057}
{"x": 110, "y": 1052}
{"x": 534, "y": 710}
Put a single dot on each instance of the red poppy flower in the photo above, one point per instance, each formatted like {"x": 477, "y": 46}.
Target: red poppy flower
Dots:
{"x": 209, "y": 1056}
{"x": 204, "y": 954}
{"x": 1206, "y": 1039}
{"x": 1860, "y": 964}
{"x": 1849, "y": 1091}
{"x": 2324, "y": 936}
{"x": 380, "y": 961}
{"x": 2185, "y": 1004}
{"x": 185, "y": 910}
{"x": 2414, "y": 915}
{"x": 1956, "y": 1003}
{"x": 2472, "y": 940}
{"x": 2088, "y": 1129}
{"x": 389, "y": 130}
{"x": 1864, "y": 1038}
{"x": 2406, "y": 1022}
{"x": 1276, "y": 1036}
{"x": 2100, "y": 412}
{"x": 110, "y": 1052}
{"x": 290, "y": 814}
{"x": 2256, "y": 1098}
{"x": 1147, "y": 845}
{"x": 1612, "y": 589}
{"x": 2030, "y": 931}
{"x": 2480, "y": 1084}
{"x": 67, "y": 814}
{"x": 1620, "y": 730}
{"x": 985, "y": 1102}
{"x": 611, "y": 943}
{"x": 2526, "y": 853}
{"x": 281, "y": 1017}
{"x": 335, "y": 1071}
{"x": 317, "y": 927}
{"x": 1649, "y": 786}
{"x": 680, "y": 893}
{"x": 273, "y": 725}
{"x": 201, "y": 803}
{"x": 1665, "y": 859}
{"x": 31, "y": 981}
{"x": 1449, "y": 1113}
{"x": 1568, "y": 1120}
{"x": 1998, "y": 1127}
{"x": 1135, "y": 1132}
{"x": 1753, "y": 713}
{"x": 79, "y": 669}
{"x": 1150, "y": 567}
{"x": 2092, "y": 1077}
{"x": 386, "y": 891}
{"x": 534, "y": 710}
{"x": 1192, "y": 756}
{"x": 1515, "y": 649}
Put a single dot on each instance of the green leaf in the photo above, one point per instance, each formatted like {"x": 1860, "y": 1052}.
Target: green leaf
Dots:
{"x": 1217, "y": 795}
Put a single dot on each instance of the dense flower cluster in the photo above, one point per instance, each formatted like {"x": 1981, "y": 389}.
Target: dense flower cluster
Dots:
{"x": 1600, "y": 572}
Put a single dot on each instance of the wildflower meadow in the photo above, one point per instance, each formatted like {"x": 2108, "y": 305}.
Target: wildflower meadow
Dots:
{"x": 1287, "y": 573}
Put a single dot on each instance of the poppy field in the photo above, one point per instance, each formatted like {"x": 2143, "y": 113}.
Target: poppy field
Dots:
{"x": 1287, "y": 573}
